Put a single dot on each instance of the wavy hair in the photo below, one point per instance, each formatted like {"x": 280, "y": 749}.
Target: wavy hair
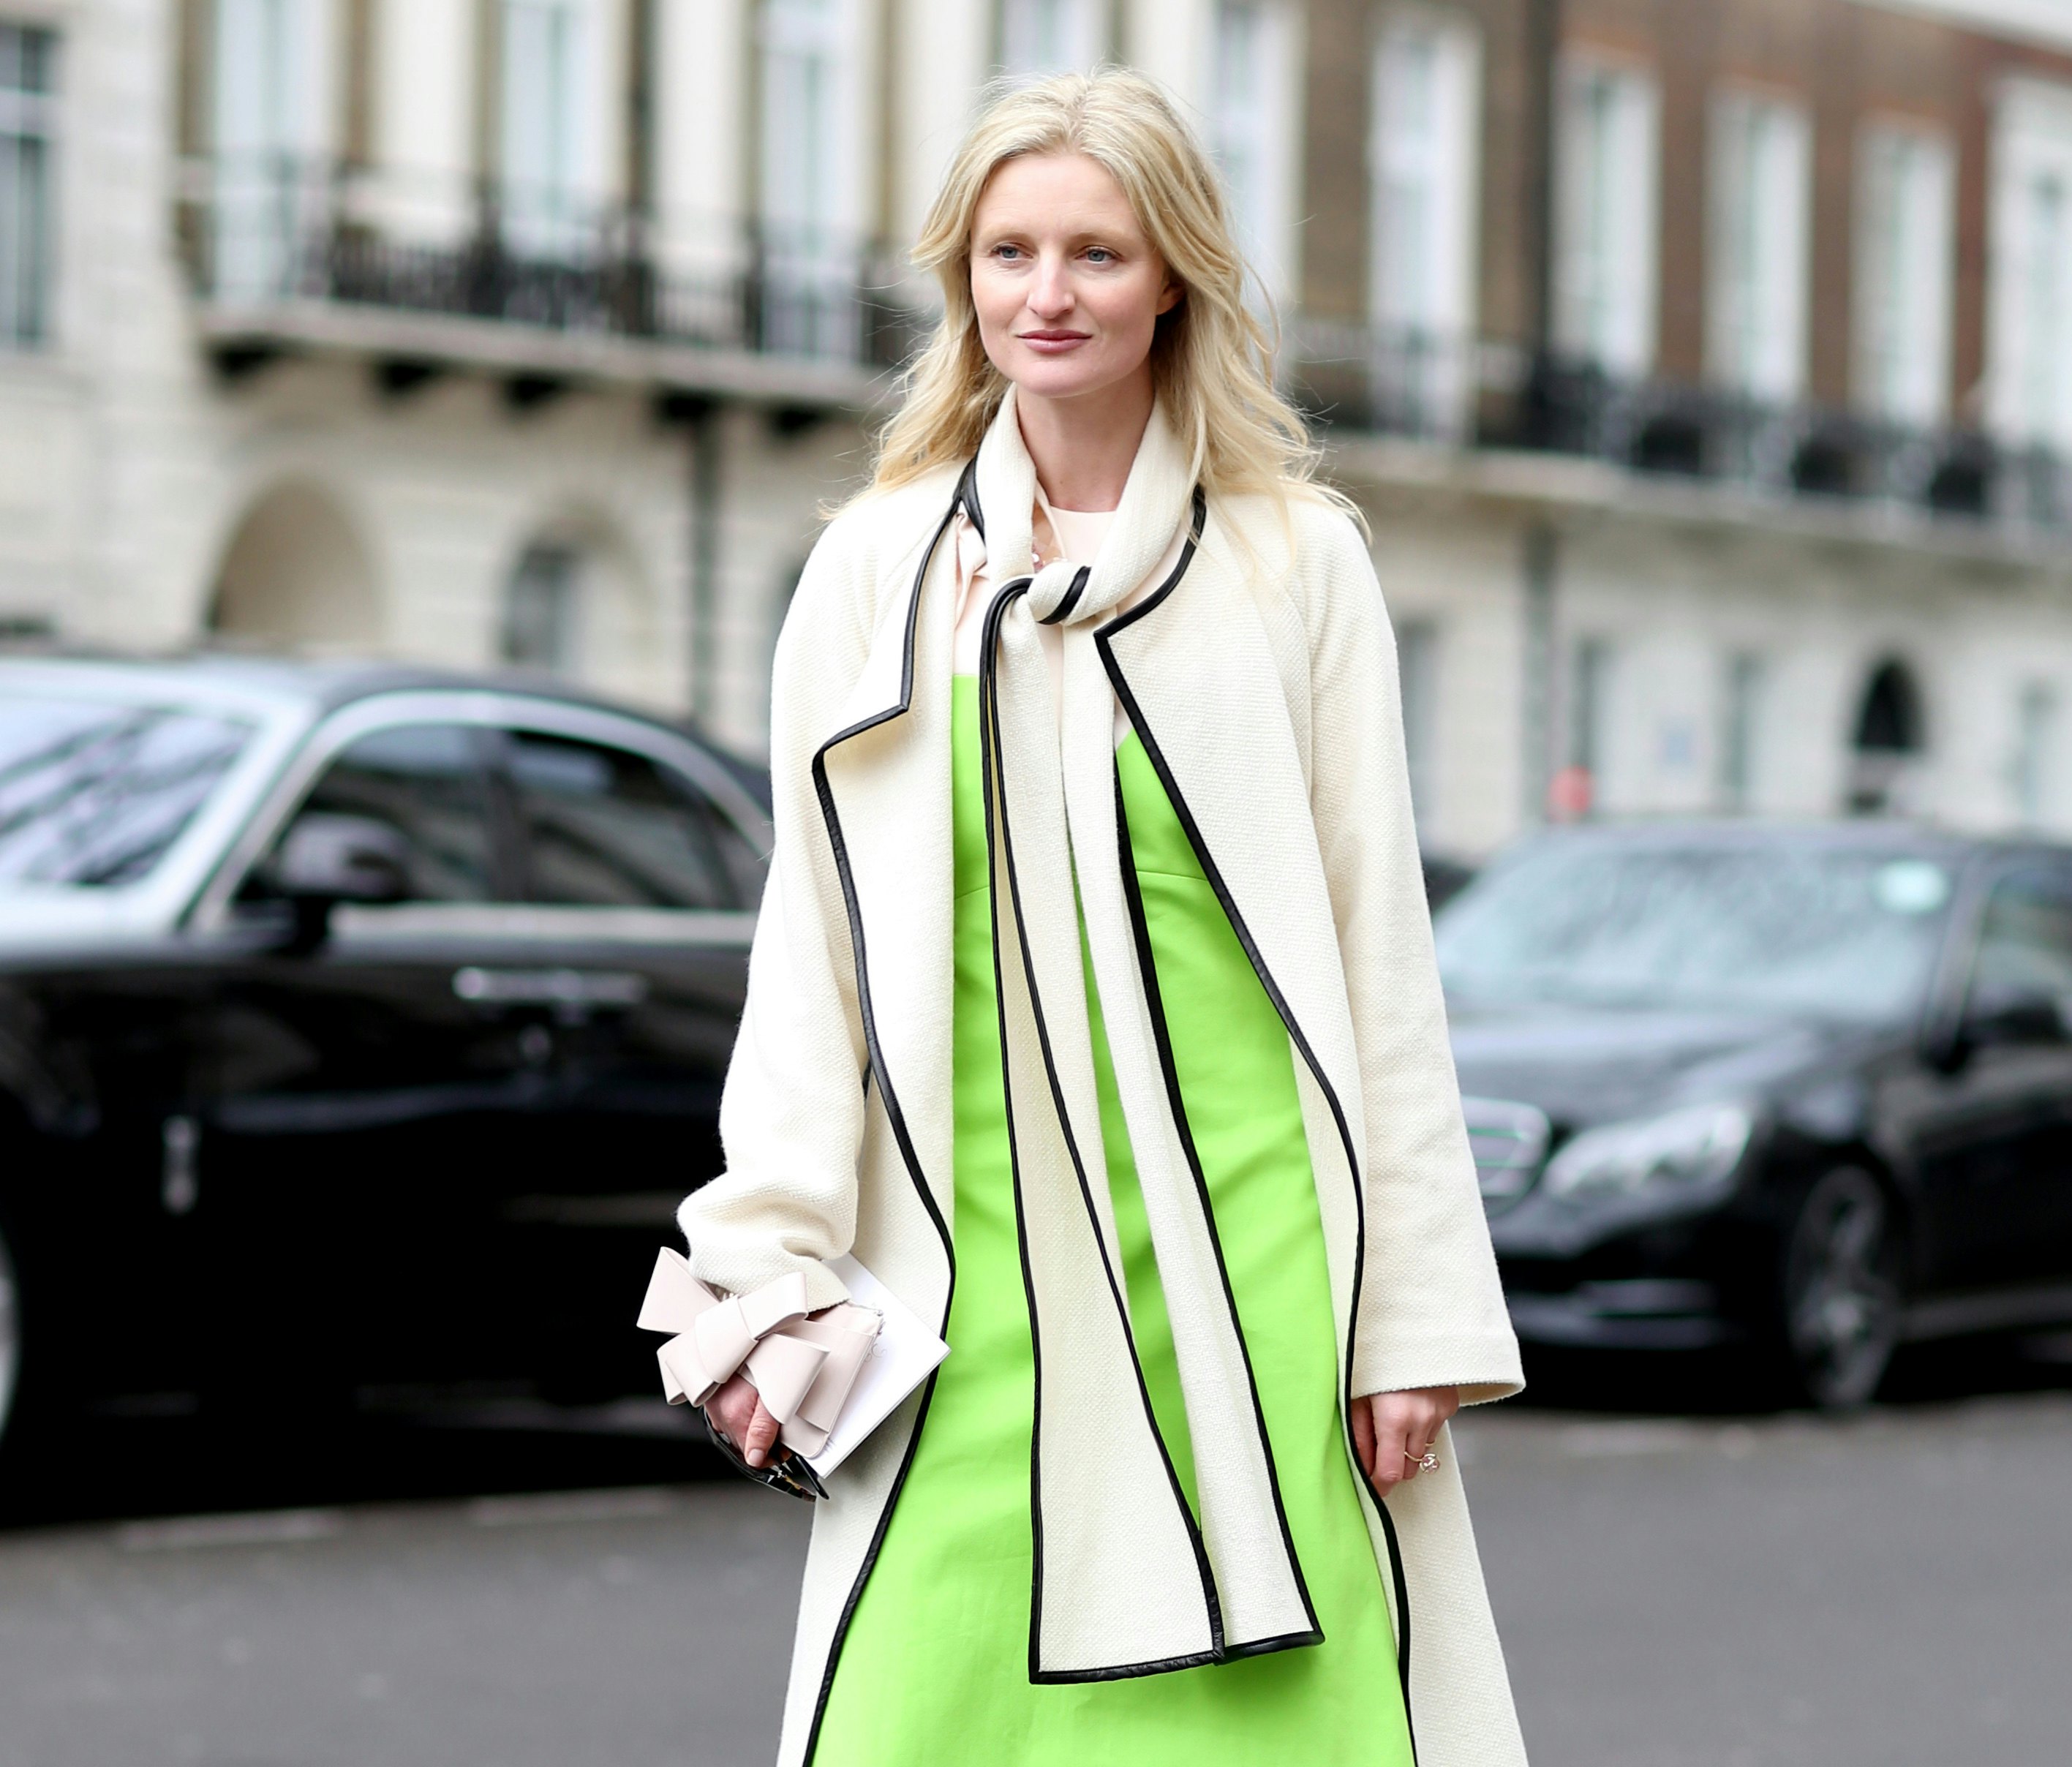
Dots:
{"x": 1211, "y": 354}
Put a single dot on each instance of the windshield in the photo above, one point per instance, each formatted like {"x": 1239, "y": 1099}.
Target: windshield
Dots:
{"x": 1818, "y": 932}
{"x": 93, "y": 792}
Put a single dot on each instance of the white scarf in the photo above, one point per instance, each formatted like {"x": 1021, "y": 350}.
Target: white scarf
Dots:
{"x": 1053, "y": 817}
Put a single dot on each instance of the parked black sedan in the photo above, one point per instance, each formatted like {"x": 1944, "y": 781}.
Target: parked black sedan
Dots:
{"x": 356, "y": 1024}
{"x": 1806, "y": 1091}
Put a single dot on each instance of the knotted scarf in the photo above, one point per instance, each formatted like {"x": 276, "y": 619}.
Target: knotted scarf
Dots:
{"x": 1057, "y": 840}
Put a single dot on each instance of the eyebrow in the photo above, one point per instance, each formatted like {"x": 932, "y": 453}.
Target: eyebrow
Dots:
{"x": 1084, "y": 236}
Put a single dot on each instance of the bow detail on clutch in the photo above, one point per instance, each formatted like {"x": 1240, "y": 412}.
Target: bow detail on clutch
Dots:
{"x": 802, "y": 1367}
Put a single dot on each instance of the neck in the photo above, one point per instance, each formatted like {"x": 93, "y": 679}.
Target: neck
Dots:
{"x": 1084, "y": 447}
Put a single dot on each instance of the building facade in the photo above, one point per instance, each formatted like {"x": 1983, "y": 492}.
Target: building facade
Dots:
{"x": 1704, "y": 366}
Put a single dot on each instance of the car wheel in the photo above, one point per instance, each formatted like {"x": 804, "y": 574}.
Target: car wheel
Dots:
{"x": 1844, "y": 1307}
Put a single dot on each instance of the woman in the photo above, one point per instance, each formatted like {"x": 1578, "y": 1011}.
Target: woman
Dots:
{"x": 1093, "y": 1007}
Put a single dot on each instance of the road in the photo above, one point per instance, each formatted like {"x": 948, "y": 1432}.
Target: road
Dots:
{"x": 1892, "y": 1590}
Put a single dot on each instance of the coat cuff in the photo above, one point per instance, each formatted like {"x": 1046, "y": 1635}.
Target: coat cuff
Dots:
{"x": 738, "y": 1265}
{"x": 1485, "y": 1366}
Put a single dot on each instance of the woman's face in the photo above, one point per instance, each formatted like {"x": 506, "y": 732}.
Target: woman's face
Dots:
{"x": 1067, "y": 288}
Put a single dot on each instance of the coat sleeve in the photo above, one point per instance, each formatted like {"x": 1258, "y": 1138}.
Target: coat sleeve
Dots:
{"x": 1432, "y": 1311}
{"x": 792, "y": 1114}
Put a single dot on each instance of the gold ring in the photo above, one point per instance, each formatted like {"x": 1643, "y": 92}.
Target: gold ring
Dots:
{"x": 1426, "y": 1462}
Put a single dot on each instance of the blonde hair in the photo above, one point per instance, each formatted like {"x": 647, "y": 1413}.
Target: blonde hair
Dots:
{"x": 1211, "y": 356}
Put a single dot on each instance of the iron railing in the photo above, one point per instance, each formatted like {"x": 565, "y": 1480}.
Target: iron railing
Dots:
{"x": 261, "y": 231}
{"x": 1421, "y": 384}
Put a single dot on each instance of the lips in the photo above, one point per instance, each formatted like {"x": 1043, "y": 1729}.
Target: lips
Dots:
{"x": 1053, "y": 342}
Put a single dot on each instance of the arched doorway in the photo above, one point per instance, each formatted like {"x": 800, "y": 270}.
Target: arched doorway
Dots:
{"x": 1889, "y": 738}
{"x": 295, "y": 576}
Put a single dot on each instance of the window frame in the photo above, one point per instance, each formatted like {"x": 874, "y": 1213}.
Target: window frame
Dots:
{"x": 2031, "y": 138}
{"x": 1269, "y": 149}
{"x": 1436, "y": 331}
{"x": 2054, "y": 872}
{"x": 495, "y": 712}
{"x": 1629, "y": 346}
{"x": 1759, "y": 257}
{"x": 1876, "y": 336}
{"x": 40, "y": 115}
{"x": 509, "y": 791}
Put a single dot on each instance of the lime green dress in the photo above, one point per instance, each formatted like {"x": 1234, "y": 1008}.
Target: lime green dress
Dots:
{"x": 935, "y": 1668}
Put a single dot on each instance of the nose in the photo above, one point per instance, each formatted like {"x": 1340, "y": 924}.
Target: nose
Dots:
{"x": 1051, "y": 296}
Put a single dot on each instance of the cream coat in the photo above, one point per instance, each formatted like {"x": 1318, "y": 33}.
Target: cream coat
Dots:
{"x": 1263, "y": 683}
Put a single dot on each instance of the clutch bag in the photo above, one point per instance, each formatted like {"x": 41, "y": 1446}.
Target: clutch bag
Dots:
{"x": 829, "y": 1378}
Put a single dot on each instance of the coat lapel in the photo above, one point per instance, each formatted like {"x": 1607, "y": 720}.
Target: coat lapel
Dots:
{"x": 884, "y": 778}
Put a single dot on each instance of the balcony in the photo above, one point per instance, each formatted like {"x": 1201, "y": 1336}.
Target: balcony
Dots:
{"x": 1464, "y": 393}
{"x": 421, "y": 276}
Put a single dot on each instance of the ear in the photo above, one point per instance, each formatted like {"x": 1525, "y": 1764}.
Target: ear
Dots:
{"x": 1170, "y": 296}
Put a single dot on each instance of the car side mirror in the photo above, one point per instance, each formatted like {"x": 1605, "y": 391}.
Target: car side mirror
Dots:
{"x": 324, "y": 859}
{"x": 2013, "y": 1016}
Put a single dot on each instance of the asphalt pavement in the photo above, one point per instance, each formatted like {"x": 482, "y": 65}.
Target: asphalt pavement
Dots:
{"x": 1889, "y": 1590}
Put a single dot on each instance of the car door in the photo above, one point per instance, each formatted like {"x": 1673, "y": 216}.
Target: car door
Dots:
{"x": 1995, "y": 1135}
{"x": 639, "y": 887}
{"x": 357, "y": 1109}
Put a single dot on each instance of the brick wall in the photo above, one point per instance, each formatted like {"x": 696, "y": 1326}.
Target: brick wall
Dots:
{"x": 1847, "y": 60}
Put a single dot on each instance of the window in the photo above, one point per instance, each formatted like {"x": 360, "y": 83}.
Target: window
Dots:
{"x": 268, "y": 135}
{"x": 2035, "y": 741}
{"x": 1891, "y": 735}
{"x": 1905, "y": 258}
{"x": 28, "y": 235}
{"x": 1589, "y": 712}
{"x": 1417, "y": 666}
{"x": 1422, "y": 167}
{"x": 428, "y": 782}
{"x": 545, "y": 48}
{"x": 2025, "y": 944}
{"x": 1741, "y": 731}
{"x": 1760, "y": 215}
{"x": 2031, "y": 295}
{"x": 1250, "y": 130}
{"x": 542, "y": 611}
{"x": 606, "y": 829}
{"x": 807, "y": 199}
{"x": 94, "y": 793}
{"x": 1607, "y": 153}
{"x": 1050, "y": 36}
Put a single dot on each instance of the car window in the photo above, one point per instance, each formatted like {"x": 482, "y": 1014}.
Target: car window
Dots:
{"x": 602, "y": 826}
{"x": 2025, "y": 940}
{"x": 94, "y": 793}
{"x": 430, "y": 783}
{"x": 1780, "y": 927}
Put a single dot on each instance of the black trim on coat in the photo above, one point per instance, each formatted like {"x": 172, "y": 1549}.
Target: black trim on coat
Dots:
{"x": 1168, "y": 1069}
{"x": 893, "y": 1116}
{"x": 1104, "y": 638}
{"x": 995, "y": 793}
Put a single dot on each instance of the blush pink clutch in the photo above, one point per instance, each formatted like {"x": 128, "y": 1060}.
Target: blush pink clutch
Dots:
{"x": 829, "y": 1378}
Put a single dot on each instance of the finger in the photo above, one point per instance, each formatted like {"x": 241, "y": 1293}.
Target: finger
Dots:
{"x": 1389, "y": 1467}
{"x": 1419, "y": 1438}
{"x": 731, "y": 1409}
{"x": 1363, "y": 1435}
{"x": 762, "y": 1436}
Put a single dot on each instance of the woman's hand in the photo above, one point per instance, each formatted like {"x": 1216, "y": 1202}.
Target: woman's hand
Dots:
{"x": 1392, "y": 1432}
{"x": 737, "y": 1410}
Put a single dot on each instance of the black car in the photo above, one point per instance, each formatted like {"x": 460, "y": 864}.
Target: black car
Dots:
{"x": 357, "y": 1024}
{"x": 1805, "y": 1090}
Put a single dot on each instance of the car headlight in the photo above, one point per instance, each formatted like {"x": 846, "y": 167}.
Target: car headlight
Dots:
{"x": 1689, "y": 1148}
